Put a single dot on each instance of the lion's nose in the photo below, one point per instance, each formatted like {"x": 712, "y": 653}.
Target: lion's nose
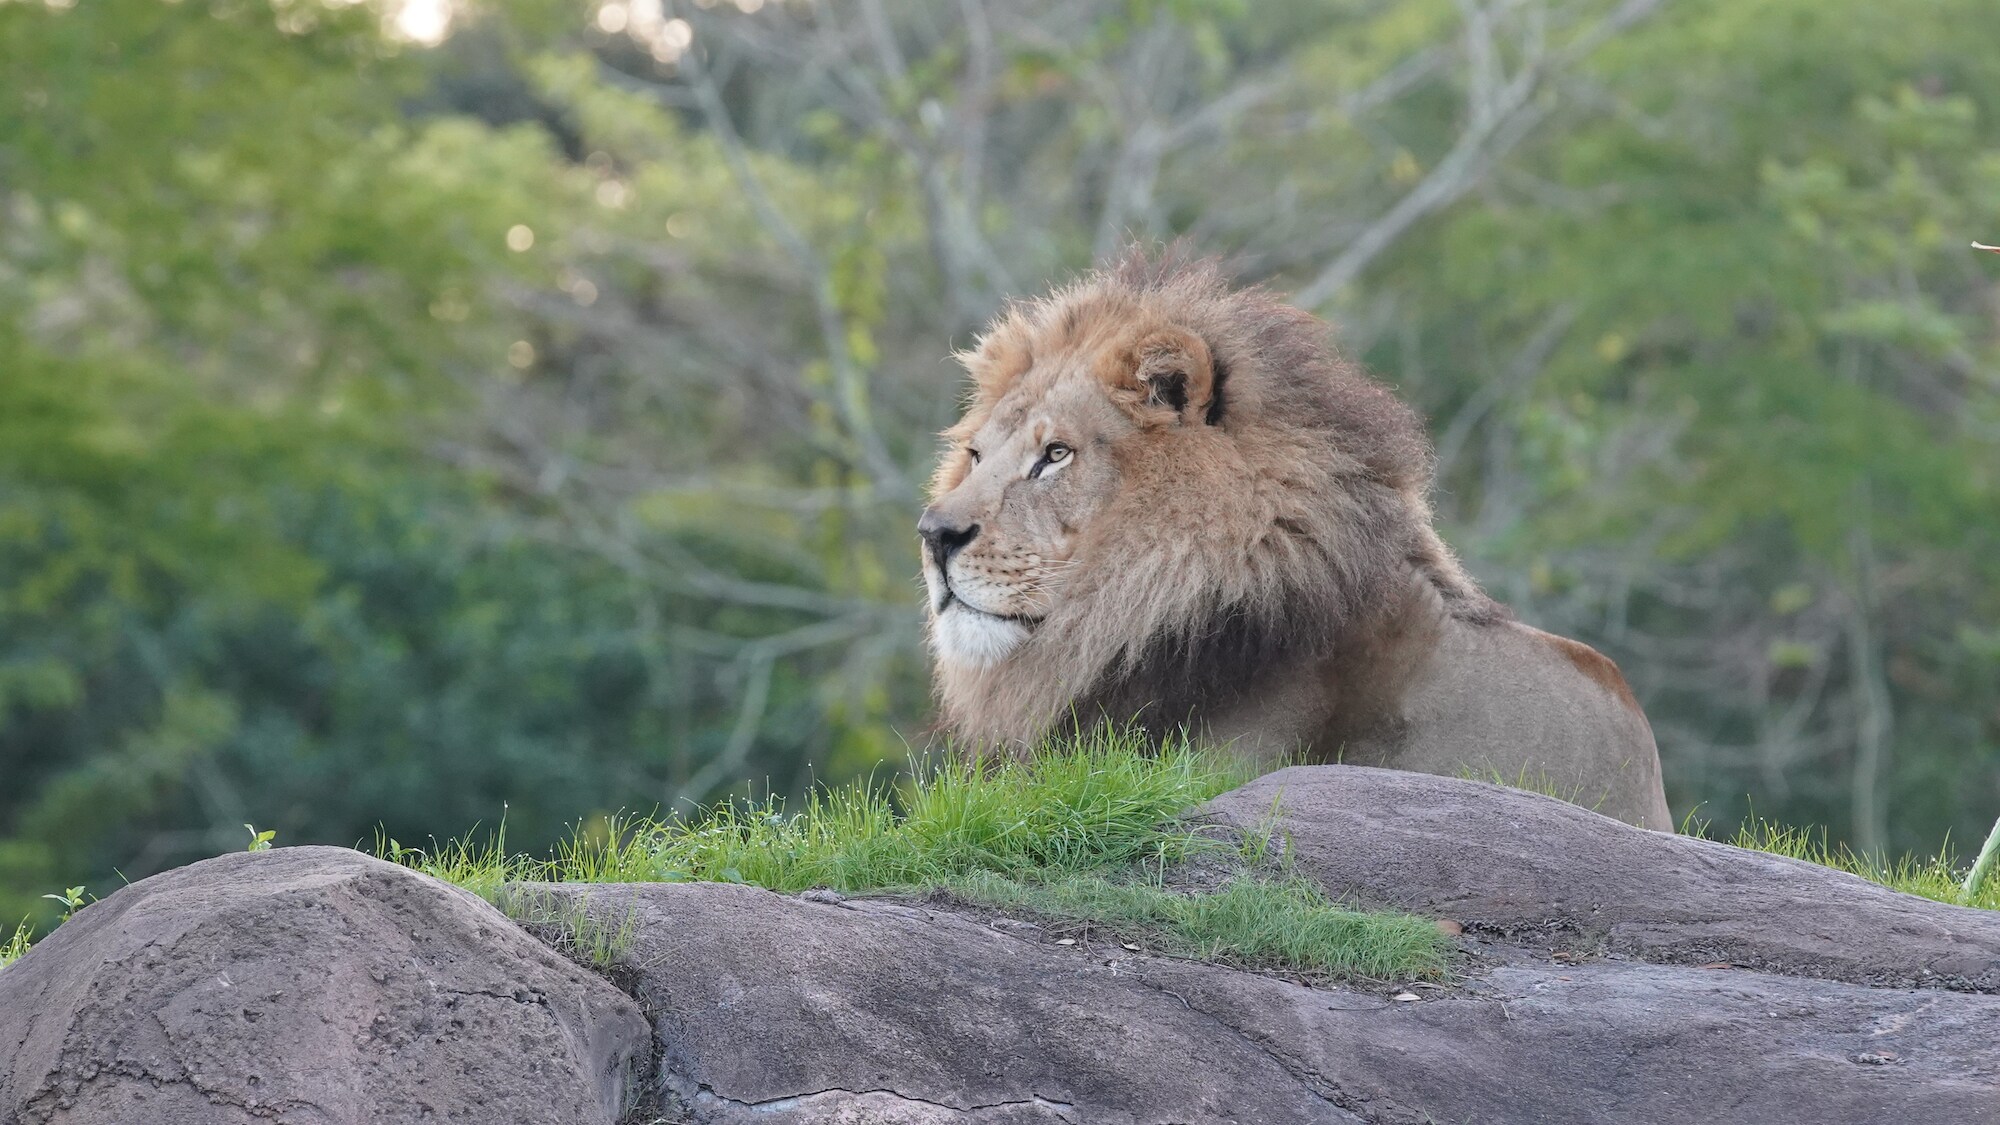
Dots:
{"x": 943, "y": 536}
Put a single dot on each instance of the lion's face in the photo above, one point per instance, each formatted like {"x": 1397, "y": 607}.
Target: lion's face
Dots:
{"x": 1034, "y": 465}
{"x": 1024, "y": 486}
{"x": 1181, "y": 501}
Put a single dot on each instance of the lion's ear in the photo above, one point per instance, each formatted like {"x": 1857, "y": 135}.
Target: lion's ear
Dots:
{"x": 1174, "y": 370}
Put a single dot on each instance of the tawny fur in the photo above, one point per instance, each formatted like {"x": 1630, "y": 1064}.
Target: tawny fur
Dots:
{"x": 1269, "y": 511}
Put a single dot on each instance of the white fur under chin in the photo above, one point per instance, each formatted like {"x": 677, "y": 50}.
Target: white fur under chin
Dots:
{"x": 977, "y": 640}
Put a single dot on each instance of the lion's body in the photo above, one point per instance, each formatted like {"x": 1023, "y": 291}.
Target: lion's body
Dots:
{"x": 1495, "y": 700}
{"x": 1188, "y": 512}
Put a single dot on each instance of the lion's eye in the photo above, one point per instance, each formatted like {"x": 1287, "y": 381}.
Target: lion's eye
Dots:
{"x": 1054, "y": 453}
{"x": 975, "y": 455}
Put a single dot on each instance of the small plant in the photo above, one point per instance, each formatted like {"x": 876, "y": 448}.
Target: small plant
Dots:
{"x": 1975, "y": 879}
{"x": 260, "y": 841}
{"x": 1257, "y": 843}
{"x": 570, "y": 924}
{"x": 71, "y": 899}
{"x": 17, "y": 944}
{"x": 485, "y": 868}
{"x": 1936, "y": 877}
{"x": 392, "y": 849}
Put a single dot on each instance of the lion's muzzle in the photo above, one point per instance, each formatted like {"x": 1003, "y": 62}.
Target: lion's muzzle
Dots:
{"x": 944, "y": 536}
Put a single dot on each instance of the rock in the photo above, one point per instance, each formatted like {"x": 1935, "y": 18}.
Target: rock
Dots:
{"x": 771, "y": 1009}
{"x": 311, "y": 986}
{"x": 1525, "y": 867}
{"x": 1603, "y": 982}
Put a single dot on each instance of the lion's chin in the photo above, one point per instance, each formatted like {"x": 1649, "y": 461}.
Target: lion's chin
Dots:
{"x": 963, "y": 635}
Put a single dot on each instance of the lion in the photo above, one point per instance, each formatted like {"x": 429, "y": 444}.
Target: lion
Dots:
{"x": 1169, "y": 502}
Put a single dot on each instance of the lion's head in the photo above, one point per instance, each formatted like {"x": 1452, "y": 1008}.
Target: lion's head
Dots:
{"x": 1160, "y": 487}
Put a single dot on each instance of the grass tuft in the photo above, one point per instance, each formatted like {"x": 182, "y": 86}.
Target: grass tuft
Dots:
{"x": 1068, "y": 835}
{"x": 1284, "y": 923}
{"x": 1102, "y": 800}
{"x": 568, "y": 923}
{"x": 1935, "y": 877}
{"x": 1982, "y": 867}
{"x": 16, "y": 944}
{"x": 1534, "y": 781}
{"x": 481, "y": 866}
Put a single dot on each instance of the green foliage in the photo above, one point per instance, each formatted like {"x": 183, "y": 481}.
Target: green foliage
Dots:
{"x": 1069, "y": 835}
{"x": 1936, "y": 877}
{"x": 16, "y": 944}
{"x": 322, "y": 503}
{"x": 1757, "y": 465}
{"x": 1976, "y": 877}
{"x": 569, "y": 924}
{"x": 1096, "y": 803}
{"x": 482, "y": 865}
{"x": 1250, "y": 922}
{"x": 71, "y": 899}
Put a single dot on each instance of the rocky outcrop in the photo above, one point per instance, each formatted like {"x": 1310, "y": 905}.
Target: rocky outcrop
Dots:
{"x": 1526, "y": 868}
{"x": 310, "y": 986}
{"x": 1607, "y": 975}
{"x": 779, "y": 1009}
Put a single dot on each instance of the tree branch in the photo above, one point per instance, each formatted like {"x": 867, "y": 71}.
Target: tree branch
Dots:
{"x": 851, "y": 390}
{"x": 1501, "y": 111}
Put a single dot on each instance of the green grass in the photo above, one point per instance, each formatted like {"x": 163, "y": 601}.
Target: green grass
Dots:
{"x": 1082, "y": 837}
{"x": 1101, "y": 801}
{"x": 1536, "y": 781}
{"x": 1283, "y": 923}
{"x": 16, "y": 944}
{"x": 1080, "y": 834}
{"x": 570, "y": 924}
{"x": 1934, "y": 877}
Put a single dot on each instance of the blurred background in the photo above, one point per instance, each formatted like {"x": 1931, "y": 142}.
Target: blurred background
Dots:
{"x": 414, "y": 412}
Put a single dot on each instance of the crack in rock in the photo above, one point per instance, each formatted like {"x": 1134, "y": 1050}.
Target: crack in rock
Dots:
{"x": 706, "y": 1093}
{"x": 68, "y": 1081}
{"x": 1309, "y": 1079}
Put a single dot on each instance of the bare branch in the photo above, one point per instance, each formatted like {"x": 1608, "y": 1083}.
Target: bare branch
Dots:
{"x": 973, "y": 273}
{"x": 1528, "y": 363}
{"x": 884, "y": 39}
{"x": 1501, "y": 111}
{"x": 749, "y": 717}
{"x": 974, "y": 99}
{"x": 849, "y": 382}
{"x": 758, "y": 657}
{"x": 1497, "y": 108}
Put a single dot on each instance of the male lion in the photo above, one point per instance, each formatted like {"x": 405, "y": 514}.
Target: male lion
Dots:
{"x": 1169, "y": 500}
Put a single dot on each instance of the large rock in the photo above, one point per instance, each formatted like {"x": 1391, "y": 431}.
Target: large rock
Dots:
{"x": 1611, "y": 975}
{"x": 312, "y": 986}
{"x": 791, "y": 1011}
{"x": 1530, "y": 868}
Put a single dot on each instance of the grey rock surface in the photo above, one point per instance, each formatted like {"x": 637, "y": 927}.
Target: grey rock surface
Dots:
{"x": 313, "y": 986}
{"x": 1529, "y": 868}
{"x": 1610, "y": 975}
{"x": 770, "y": 1008}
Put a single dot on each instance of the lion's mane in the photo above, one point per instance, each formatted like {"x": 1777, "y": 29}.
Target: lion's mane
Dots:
{"x": 1253, "y": 548}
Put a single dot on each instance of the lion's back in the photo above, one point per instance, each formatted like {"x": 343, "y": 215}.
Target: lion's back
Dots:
{"x": 1506, "y": 702}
